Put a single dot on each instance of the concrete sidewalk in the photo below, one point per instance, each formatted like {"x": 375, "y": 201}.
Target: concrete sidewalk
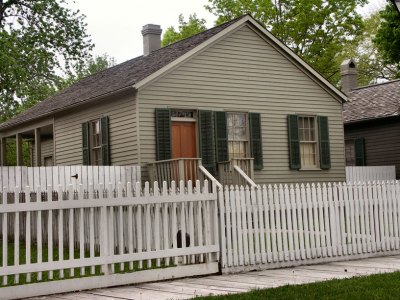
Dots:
{"x": 225, "y": 284}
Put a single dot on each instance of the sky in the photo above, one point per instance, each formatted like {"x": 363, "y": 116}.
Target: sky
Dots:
{"x": 115, "y": 26}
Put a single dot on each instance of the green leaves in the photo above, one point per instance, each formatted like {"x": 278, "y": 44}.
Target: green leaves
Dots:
{"x": 186, "y": 29}
{"x": 316, "y": 30}
{"x": 387, "y": 38}
{"x": 40, "y": 41}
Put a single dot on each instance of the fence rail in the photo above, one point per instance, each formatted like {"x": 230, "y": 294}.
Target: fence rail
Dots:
{"x": 11, "y": 177}
{"x": 274, "y": 226}
{"x": 365, "y": 174}
{"x": 113, "y": 236}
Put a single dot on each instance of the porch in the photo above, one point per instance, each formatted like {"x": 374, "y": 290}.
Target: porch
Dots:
{"x": 237, "y": 171}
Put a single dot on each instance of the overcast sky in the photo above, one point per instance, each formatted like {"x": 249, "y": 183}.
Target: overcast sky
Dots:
{"x": 115, "y": 25}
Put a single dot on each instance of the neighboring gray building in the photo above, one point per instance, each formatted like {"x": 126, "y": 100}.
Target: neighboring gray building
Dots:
{"x": 232, "y": 94}
{"x": 372, "y": 125}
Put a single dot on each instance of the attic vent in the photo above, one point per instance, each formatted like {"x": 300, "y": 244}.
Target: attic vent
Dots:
{"x": 352, "y": 65}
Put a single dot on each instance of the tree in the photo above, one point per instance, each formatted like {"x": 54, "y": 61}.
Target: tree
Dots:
{"x": 387, "y": 38}
{"x": 39, "y": 39}
{"x": 316, "y": 30}
{"x": 186, "y": 29}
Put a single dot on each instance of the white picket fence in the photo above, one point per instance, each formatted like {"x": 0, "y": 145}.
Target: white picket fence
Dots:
{"x": 11, "y": 177}
{"x": 144, "y": 235}
{"x": 365, "y": 174}
{"x": 275, "y": 226}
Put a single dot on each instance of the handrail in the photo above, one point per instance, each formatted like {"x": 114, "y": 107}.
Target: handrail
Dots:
{"x": 174, "y": 159}
{"x": 209, "y": 176}
{"x": 244, "y": 175}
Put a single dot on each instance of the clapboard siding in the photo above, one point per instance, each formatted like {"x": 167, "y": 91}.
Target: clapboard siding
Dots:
{"x": 382, "y": 141}
{"x": 122, "y": 128}
{"x": 244, "y": 73}
{"x": 47, "y": 149}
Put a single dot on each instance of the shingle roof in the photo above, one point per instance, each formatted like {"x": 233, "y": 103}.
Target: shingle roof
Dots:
{"x": 116, "y": 78}
{"x": 373, "y": 102}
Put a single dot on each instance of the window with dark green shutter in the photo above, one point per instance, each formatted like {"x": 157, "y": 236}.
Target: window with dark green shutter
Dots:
{"x": 85, "y": 144}
{"x": 308, "y": 142}
{"x": 294, "y": 143}
{"x": 221, "y": 136}
{"x": 163, "y": 134}
{"x": 206, "y": 140}
{"x": 324, "y": 147}
{"x": 256, "y": 140}
{"x": 95, "y": 142}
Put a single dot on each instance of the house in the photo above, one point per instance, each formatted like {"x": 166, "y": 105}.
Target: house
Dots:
{"x": 234, "y": 96}
{"x": 372, "y": 124}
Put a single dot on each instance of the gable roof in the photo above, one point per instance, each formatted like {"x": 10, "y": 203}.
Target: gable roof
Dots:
{"x": 139, "y": 71}
{"x": 373, "y": 102}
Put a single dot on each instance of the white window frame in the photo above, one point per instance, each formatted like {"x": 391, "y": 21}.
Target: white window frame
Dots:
{"x": 305, "y": 137}
{"x": 245, "y": 142}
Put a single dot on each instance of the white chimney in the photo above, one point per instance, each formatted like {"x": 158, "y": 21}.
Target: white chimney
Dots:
{"x": 348, "y": 72}
{"x": 151, "y": 38}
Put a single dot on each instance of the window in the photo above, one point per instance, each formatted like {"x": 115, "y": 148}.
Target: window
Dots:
{"x": 355, "y": 152}
{"x": 309, "y": 146}
{"x": 95, "y": 146}
{"x": 237, "y": 127}
{"x": 350, "y": 153}
{"x": 308, "y": 142}
{"x": 95, "y": 143}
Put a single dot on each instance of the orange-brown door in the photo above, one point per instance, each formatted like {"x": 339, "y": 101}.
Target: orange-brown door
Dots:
{"x": 183, "y": 139}
{"x": 184, "y": 146}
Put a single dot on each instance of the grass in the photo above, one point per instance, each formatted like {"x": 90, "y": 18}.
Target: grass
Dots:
{"x": 67, "y": 272}
{"x": 379, "y": 286}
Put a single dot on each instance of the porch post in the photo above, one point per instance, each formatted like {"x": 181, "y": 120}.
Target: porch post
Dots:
{"x": 3, "y": 151}
{"x": 18, "y": 141}
{"x": 38, "y": 148}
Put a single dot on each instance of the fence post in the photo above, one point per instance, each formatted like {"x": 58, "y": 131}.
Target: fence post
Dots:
{"x": 104, "y": 248}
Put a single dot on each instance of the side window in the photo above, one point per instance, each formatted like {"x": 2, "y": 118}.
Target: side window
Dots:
{"x": 95, "y": 142}
{"x": 308, "y": 142}
{"x": 309, "y": 146}
{"x": 350, "y": 153}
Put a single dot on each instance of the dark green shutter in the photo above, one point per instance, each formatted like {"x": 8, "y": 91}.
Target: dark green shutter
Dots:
{"x": 256, "y": 140}
{"x": 294, "y": 143}
{"x": 221, "y": 136}
{"x": 206, "y": 140}
{"x": 163, "y": 134}
{"x": 359, "y": 149}
{"x": 105, "y": 149}
{"x": 324, "y": 148}
{"x": 85, "y": 144}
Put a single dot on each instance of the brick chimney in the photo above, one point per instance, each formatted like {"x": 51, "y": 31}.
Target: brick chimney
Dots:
{"x": 151, "y": 38}
{"x": 348, "y": 72}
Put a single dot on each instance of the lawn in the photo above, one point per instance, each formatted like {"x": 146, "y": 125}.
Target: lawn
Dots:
{"x": 380, "y": 286}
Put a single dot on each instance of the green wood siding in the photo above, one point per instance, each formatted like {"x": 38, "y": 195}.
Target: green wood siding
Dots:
{"x": 244, "y": 73}
{"x": 123, "y": 148}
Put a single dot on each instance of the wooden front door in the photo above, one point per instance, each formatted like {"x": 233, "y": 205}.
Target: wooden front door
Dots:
{"x": 184, "y": 146}
{"x": 183, "y": 140}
